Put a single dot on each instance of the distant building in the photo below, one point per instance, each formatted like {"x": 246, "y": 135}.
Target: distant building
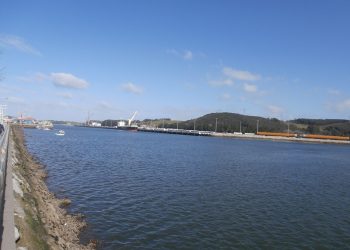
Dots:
{"x": 95, "y": 124}
{"x": 27, "y": 122}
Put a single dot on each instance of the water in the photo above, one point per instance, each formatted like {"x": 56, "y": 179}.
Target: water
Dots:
{"x": 158, "y": 191}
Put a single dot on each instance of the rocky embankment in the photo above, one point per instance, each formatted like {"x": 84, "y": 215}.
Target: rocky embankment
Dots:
{"x": 40, "y": 217}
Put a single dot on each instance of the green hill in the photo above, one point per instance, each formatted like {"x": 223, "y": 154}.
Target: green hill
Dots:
{"x": 339, "y": 127}
{"x": 230, "y": 122}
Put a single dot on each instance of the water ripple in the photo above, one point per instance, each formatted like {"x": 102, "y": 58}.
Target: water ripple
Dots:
{"x": 156, "y": 191}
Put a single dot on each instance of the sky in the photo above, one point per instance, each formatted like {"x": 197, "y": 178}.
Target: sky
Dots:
{"x": 175, "y": 59}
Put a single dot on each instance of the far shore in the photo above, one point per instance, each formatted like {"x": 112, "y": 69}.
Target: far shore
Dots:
{"x": 250, "y": 136}
{"x": 280, "y": 138}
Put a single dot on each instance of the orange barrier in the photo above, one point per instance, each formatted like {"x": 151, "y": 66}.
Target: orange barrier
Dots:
{"x": 308, "y": 136}
{"x": 328, "y": 137}
{"x": 276, "y": 134}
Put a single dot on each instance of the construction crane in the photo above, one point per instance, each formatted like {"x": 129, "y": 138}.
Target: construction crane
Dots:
{"x": 132, "y": 118}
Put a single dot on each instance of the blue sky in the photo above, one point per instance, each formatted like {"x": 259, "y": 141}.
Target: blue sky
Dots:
{"x": 176, "y": 59}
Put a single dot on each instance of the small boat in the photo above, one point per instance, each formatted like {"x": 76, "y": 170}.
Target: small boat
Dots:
{"x": 61, "y": 133}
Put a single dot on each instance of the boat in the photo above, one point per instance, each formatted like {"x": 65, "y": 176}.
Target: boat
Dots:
{"x": 129, "y": 126}
{"x": 60, "y": 133}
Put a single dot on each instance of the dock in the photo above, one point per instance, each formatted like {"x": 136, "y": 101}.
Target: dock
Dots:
{"x": 175, "y": 131}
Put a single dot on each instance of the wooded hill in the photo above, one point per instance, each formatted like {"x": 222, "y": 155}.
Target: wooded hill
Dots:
{"x": 226, "y": 122}
{"x": 230, "y": 122}
{"x": 338, "y": 127}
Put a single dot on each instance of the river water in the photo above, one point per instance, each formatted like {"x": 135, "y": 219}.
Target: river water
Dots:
{"x": 157, "y": 191}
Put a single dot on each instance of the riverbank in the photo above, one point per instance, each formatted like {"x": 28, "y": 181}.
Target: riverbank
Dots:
{"x": 250, "y": 136}
{"x": 40, "y": 217}
{"x": 281, "y": 138}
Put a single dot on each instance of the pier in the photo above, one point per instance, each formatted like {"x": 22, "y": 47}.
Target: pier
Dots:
{"x": 175, "y": 131}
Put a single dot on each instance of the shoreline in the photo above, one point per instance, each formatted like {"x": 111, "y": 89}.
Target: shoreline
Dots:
{"x": 282, "y": 139}
{"x": 41, "y": 218}
{"x": 234, "y": 136}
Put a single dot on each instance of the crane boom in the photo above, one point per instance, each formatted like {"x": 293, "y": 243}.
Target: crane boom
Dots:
{"x": 132, "y": 118}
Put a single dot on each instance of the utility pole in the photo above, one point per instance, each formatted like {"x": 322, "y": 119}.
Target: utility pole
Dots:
{"x": 288, "y": 127}
{"x": 257, "y": 126}
{"x": 216, "y": 125}
{"x": 194, "y": 125}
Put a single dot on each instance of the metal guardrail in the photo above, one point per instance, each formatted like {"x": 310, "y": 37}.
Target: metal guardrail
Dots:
{"x": 4, "y": 139}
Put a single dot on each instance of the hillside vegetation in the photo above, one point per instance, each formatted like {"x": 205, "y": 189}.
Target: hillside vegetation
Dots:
{"x": 338, "y": 127}
{"x": 232, "y": 122}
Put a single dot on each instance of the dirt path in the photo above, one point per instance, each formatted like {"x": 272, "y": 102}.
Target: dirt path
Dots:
{"x": 42, "y": 221}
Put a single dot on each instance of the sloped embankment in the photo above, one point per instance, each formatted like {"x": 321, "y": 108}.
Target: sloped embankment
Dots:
{"x": 42, "y": 221}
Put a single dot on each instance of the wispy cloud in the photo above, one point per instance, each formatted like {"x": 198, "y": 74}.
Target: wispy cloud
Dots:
{"x": 343, "y": 106}
{"x": 231, "y": 76}
{"x": 67, "y": 80}
{"x": 220, "y": 83}
{"x": 132, "y": 88}
{"x": 240, "y": 74}
{"x": 15, "y": 100}
{"x": 250, "y": 88}
{"x": 274, "y": 110}
{"x": 333, "y": 92}
{"x": 103, "y": 105}
{"x": 185, "y": 54}
{"x": 188, "y": 55}
{"x": 18, "y": 43}
{"x": 37, "y": 77}
{"x": 225, "y": 96}
{"x": 65, "y": 95}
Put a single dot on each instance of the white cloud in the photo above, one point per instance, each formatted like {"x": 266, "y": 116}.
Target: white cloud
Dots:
{"x": 231, "y": 76}
{"x": 65, "y": 95}
{"x": 250, "y": 88}
{"x": 18, "y": 43}
{"x": 274, "y": 110}
{"x": 67, "y": 80}
{"x": 343, "y": 106}
{"x": 132, "y": 88}
{"x": 219, "y": 83}
{"x": 240, "y": 74}
{"x": 186, "y": 54}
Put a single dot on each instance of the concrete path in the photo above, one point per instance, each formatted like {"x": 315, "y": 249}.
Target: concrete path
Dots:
{"x": 8, "y": 237}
